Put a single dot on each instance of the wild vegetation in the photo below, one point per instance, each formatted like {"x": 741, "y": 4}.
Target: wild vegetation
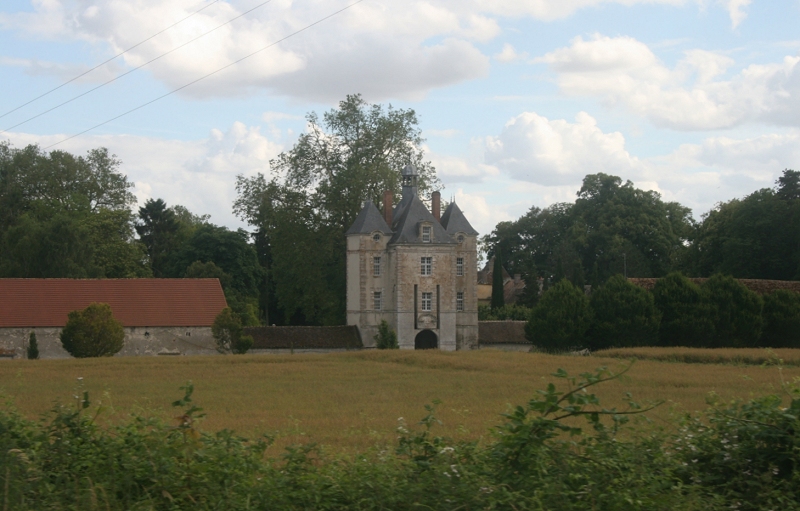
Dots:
{"x": 562, "y": 447}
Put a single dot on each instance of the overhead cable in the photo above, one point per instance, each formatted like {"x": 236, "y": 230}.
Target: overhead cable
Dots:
{"x": 109, "y": 60}
{"x": 135, "y": 68}
{"x": 329, "y": 16}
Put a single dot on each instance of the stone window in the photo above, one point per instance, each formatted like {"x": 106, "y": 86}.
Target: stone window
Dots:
{"x": 376, "y": 237}
{"x": 459, "y": 266}
{"x": 426, "y": 233}
{"x": 427, "y": 301}
{"x": 376, "y": 266}
{"x": 425, "y": 265}
{"x": 460, "y": 301}
{"x": 377, "y": 300}
{"x": 460, "y": 238}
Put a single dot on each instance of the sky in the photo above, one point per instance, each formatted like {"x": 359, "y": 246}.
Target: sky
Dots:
{"x": 517, "y": 99}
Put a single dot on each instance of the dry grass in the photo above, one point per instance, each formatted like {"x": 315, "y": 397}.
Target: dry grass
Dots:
{"x": 351, "y": 401}
{"x": 738, "y": 356}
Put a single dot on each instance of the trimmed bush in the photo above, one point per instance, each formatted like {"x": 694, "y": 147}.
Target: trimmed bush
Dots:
{"x": 735, "y": 312}
{"x": 92, "y": 332}
{"x": 229, "y": 334}
{"x": 386, "y": 338}
{"x": 33, "y": 347}
{"x": 781, "y": 316}
{"x": 560, "y": 319}
{"x": 511, "y": 312}
{"x": 685, "y": 312}
{"x": 623, "y": 315}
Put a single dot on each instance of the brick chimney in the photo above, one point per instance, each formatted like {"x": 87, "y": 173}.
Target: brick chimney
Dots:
{"x": 387, "y": 207}
{"x": 436, "y": 205}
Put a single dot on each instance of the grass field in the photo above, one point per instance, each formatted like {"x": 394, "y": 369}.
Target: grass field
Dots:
{"x": 352, "y": 401}
{"x": 739, "y": 356}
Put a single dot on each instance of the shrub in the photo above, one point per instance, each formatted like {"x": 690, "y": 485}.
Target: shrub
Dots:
{"x": 685, "y": 312}
{"x": 735, "y": 312}
{"x": 92, "y": 332}
{"x": 560, "y": 319}
{"x": 229, "y": 334}
{"x": 386, "y": 338}
{"x": 781, "y": 319}
{"x": 33, "y": 347}
{"x": 506, "y": 312}
{"x": 623, "y": 315}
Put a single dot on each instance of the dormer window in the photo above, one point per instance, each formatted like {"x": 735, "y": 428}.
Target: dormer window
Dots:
{"x": 460, "y": 238}
{"x": 376, "y": 237}
{"x": 426, "y": 233}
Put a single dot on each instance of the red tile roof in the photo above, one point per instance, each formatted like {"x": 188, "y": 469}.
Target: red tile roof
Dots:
{"x": 134, "y": 302}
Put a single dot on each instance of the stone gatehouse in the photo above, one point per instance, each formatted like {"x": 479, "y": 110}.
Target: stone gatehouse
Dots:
{"x": 415, "y": 269}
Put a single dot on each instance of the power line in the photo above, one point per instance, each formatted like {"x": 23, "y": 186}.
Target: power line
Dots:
{"x": 207, "y": 75}
{"x": 135, "y": 68}
{"x": 109, "y": 60}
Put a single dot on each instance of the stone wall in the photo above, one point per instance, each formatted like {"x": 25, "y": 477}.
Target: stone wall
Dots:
{"x": 139, "y": 341}
{"x": 501, "y": 332}
{"x": 760, "y": 286}
{"x": 304, "y": 338}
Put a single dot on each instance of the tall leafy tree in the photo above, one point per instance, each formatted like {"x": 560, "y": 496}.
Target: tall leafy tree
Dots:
{"x": 350, "y": 155}
{"x": 158, "y": 230}
{"x": 498, "y": 293}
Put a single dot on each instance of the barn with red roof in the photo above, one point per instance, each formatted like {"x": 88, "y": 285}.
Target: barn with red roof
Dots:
{"x": 160, "y": 316}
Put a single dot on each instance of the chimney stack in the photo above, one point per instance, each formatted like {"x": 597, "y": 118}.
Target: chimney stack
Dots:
{"x": 436, "y": 205}
{"x": 387, "y": 207}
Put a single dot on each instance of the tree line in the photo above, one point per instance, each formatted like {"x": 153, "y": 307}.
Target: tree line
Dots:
{"x": 614, "y": 228}
{"x": 63, "y": 215}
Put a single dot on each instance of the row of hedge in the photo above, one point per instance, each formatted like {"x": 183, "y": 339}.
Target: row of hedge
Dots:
{"x": 741, "y": 456}
{"x": 721, "y": 312}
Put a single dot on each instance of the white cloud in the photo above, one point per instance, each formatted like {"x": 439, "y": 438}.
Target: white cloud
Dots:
{"x": 692, "y": 96}
{"x": 553, "y": 152}
{"x": 735, "y": 10}
{"x": 509, "y": 54}
{"x": 384, "y": 49}
{"x": 198, "y": 174}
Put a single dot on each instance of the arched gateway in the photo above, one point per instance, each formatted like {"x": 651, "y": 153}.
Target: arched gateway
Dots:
{"x": 426, "y": 340}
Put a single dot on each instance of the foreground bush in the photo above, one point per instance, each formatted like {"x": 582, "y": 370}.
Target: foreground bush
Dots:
{"x": 92, "y": 332}
{"x": 735, "y": 312}
{"x": 685, "y": 312}
{"x": 738, "y": 456}
{"x": 781, "y": 316}
{"x": 624, "y": 315}
{"x": 560, "y": 319}
{"x": 386, "y": 338}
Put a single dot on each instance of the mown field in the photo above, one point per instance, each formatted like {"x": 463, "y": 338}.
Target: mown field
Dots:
{"x": 352, "y": 401}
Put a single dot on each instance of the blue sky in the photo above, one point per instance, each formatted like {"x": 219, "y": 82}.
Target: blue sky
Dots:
{"x": 518, "y": 99}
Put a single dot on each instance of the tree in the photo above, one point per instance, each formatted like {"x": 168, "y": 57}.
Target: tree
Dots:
{"x": 158, "y": 231}
{"x": 351, "y": 155}
{"x": 560, "y": 320}
{"x": 781, "y": 319}
{"x": 231, "y": 254}
{"x": 735, "y": 311}
{"x": 685, "y": 312}
{"x": 92, "y": 332}
{"x": 498, "y": 292}
{"x": 33, "y": 347}
{"x": 386, "y": 338}
{"x": 624, "y": 315}
{"x": 229, "y": 334}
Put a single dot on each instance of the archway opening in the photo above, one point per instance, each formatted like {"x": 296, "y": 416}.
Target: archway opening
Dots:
{"x": 426, "y": 340}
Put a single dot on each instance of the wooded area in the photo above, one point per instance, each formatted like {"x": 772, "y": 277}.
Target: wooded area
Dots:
{"x": 63, "y": 215}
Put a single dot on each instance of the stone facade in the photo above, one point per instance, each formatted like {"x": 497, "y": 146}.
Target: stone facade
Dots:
{"x": 415, "y": 270}
{"x": 138, "y": 341}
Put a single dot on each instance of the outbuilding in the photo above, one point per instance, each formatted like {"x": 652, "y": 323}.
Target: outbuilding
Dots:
{"x": 160, "y": 316}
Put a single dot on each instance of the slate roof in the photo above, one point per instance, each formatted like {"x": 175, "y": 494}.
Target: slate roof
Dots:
{"x": 26, "y": 303}
{"x": 406, "y": 225}
{"x": 369, "y": 220}
{"x": 454, "y": 221}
